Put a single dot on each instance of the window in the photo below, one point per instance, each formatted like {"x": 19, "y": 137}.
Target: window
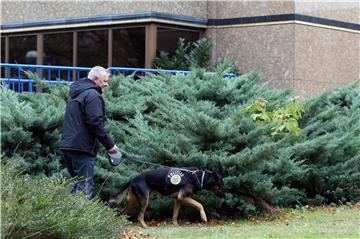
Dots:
{"x": 3, "y": 50}
{"x": 129, "y": 47}
{"x": 167, "y": 38}
{"x": 3, "y": 57}
{"x": 22, "y": 50}
{"x": 93, "y": 48}
{"x": 58, "y": 49}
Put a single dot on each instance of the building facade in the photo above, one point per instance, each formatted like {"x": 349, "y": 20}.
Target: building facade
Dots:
{"x": 309, "y": 46}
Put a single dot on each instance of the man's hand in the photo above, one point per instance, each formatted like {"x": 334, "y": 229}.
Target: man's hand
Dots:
{"x": 114, "y": 149}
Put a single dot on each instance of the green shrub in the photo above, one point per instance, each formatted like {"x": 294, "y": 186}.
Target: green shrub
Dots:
{"x": 187, "y": 55}
{"x": 44, "y": 208}
{"x": 30, "y": 127}
{"x": 197, "y": 120}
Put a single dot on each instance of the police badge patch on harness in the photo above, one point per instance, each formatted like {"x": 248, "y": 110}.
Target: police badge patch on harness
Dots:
{"x": 175, "y": 176}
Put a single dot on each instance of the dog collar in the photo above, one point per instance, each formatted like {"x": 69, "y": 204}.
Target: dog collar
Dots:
{"x": 202, "y": 179}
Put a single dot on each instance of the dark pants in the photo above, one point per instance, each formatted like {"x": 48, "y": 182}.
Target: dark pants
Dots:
{"x": 80, "y": 164}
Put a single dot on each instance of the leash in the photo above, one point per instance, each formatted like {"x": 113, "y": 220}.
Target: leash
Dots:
{"x": 132, "y": 158}
{"x": 127, "y": 156}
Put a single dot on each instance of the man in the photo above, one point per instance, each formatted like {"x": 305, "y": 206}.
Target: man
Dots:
{"x": 84, "y": 128}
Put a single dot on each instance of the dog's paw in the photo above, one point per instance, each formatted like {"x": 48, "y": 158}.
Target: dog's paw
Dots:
{"x": 203, "y": 217}
{"x": 144, "y": 225}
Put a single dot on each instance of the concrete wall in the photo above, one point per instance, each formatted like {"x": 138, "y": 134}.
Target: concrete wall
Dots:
{"x": 342, "y": 10}
{"x": 308, "y": 59}
{"x": 267, "y": 49}
{"x": 325, "y": 59}
{"x": 246, "y": 8}
{"x": 28, "y": 11}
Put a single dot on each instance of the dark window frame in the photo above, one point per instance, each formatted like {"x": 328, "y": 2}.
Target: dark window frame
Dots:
{"x": 89, "y": 29}
{"x": 130, "y": 27}
{"x": 150, "y": 39}
{"x": 7, "y": 46}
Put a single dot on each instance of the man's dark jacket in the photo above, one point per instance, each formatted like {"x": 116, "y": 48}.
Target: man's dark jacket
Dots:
{"x": 84, "y": 122}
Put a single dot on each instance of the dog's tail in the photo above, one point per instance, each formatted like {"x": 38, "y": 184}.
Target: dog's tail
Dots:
{"x": 120, "y": 195}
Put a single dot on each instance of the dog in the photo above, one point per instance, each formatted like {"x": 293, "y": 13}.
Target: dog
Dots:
{"x": 178, "y": 183}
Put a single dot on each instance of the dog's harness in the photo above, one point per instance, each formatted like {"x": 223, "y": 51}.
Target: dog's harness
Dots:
{"x": 202, "y": 178}
{"x": 193, "y": 172}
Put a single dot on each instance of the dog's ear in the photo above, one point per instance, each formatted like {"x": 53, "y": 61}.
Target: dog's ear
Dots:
{"x": 216, "y": 169}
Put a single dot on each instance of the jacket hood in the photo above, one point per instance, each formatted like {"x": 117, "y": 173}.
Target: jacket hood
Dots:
{"x": 81, "y": 85}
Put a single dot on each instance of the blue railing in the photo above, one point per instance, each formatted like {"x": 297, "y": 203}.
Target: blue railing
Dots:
{"x": 16, "y": 76}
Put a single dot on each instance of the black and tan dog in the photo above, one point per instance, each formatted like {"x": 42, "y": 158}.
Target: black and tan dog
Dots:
{"x": 177, "y": 183}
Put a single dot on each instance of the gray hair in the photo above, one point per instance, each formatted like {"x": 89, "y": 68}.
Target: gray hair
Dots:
{"x": 97, "y": 71}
